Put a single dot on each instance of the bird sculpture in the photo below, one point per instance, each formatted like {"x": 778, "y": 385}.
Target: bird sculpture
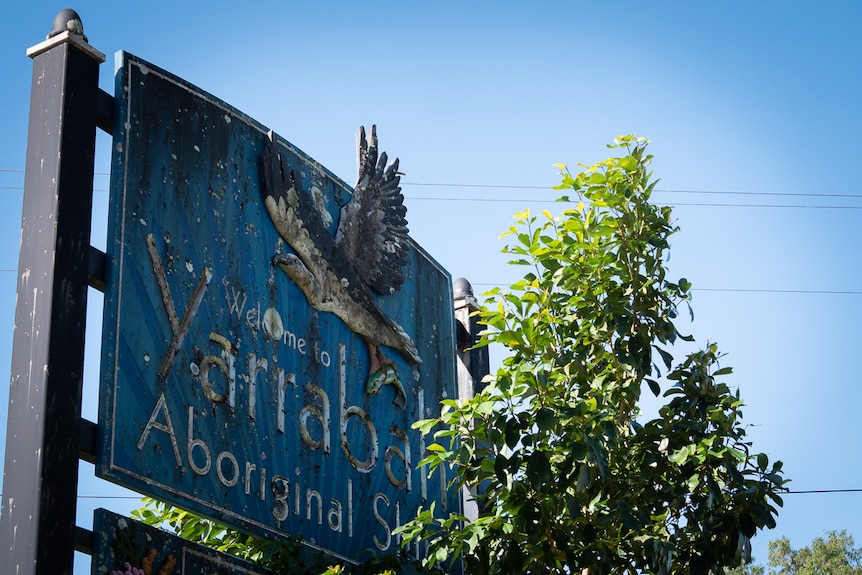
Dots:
{"x": 368, "y": 252}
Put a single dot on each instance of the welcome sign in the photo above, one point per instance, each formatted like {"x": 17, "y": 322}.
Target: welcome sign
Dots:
{"x": 267, "y": 343}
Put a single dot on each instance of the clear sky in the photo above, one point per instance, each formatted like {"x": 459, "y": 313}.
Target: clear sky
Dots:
{"x": 752, "y": 108}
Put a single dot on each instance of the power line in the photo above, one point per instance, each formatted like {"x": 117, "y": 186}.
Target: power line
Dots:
{"x": 732, "y": 290}
{"x": 752, "y": 290}
{"x": 662, "y": 190}
{"x": 671, "y": 204}
{"x": 718, "y": 290}
{"x": 702, "y": 289}
{"x": 549, "y": 188}
{"x": 810, "y": 491}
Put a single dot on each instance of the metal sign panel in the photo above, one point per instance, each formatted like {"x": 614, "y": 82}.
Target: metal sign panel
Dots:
{"x": 231, "y": 389}
{"x": 120, "y": 540}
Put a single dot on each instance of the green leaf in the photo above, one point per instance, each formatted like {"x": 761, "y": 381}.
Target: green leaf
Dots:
{"x": 538, "y": 469}
{"x": 546, "y": 419}
{"x": 628, "y": 163}
{"x": 763, "y": 516}
{"x": 737, "y": 454}
{"x": 693, "y": 482}
{"x": 501, "y": 464}
{"x": 679, "y": 457}
{"x": 579, "y": 451}
{"x": 513, "y": 433}
{"x": 597, "y": 178}
{"x": 425, "y": 425}
{"x": 666, "y": 357}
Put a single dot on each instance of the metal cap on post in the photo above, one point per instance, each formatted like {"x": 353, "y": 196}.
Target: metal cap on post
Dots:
{"x": 67, "y": 29}
{"x": 37, "y": 524}
{"x": 67, "y": 20}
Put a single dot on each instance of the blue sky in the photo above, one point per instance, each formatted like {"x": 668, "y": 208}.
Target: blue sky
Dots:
{"x": 760, "y": 98}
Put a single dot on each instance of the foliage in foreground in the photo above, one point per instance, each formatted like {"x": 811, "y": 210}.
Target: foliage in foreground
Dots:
{"x": 567, "y": 480}
{"x": 284, "y": 557}
{"x": 834, "y": 554}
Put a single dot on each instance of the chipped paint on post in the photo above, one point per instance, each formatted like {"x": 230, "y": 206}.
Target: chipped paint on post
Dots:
{"x": 37, "y": 522}
{"x": 223, "y": 390}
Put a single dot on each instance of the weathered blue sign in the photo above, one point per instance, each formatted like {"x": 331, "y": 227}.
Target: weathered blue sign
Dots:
{"x": 122, "y": 544}
{"x": 270, "y": 334}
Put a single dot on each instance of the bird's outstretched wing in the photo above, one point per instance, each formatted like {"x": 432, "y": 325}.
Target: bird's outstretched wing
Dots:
{"x": 372, "y": 230}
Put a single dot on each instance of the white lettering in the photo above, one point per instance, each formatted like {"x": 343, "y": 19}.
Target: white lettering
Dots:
{"x": 227, "y": 364}
{"x": 393, "y": 451}
{"x": 366, "y": 465}
{"x": 192, "y": 443}
{"x": 296, "y": 496}
{"x": 255, "y": 366}
{"x": 249, "y": 468}
{"x": 234, "y": 306}
{"x": 167, "y": 427}
{"x": 234, "y": 479}
{"x": 333, "y": 518}
{"x": 293, "y": 341}
{"x": 311, "y": 494}
{"x": 382, "y": 546}
{"x": 350, "y": 508}
{"x": 252, "y": 317}
{"x": 281, "y": 491}
{"x": 322, "y": 416}
{"x": 281, "y": 390}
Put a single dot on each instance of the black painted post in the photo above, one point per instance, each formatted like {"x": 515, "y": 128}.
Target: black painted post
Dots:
{"x": 40, "y": 480}
{"x": 472, "y": 364}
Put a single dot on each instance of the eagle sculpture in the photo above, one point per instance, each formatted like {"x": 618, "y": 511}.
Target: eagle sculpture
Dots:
{"x": 369, "y": 251}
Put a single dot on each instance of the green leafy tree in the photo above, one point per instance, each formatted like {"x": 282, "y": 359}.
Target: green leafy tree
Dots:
{"x": 567, "y": 479}
{"x": 836, "y": 554}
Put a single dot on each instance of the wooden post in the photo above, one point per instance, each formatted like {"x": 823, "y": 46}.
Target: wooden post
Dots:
{"x": 40, "y": 480}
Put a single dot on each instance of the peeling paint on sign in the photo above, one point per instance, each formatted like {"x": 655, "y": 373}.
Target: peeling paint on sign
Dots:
{"x": 223, "y": 391}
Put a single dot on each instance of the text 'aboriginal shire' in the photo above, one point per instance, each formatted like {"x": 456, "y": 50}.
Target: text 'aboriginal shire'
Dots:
{"x": 287, "y": 494}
